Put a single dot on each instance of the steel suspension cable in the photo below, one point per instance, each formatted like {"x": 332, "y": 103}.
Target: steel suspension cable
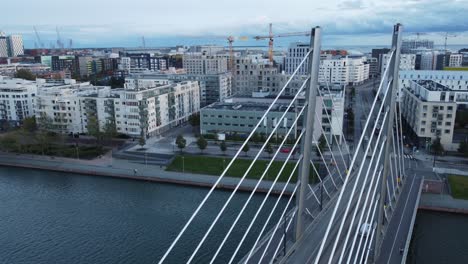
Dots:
{"x": 335, "y": 244}
{"x": 322, "y": 245}
{"x": 366, "y": 201}
{"x": 246, "y": 173}
{"x": 195, "y": 213}
{"x": 374, "y": 152}
{"x": 261, "y": 178}
{"x": 331, "y": 126}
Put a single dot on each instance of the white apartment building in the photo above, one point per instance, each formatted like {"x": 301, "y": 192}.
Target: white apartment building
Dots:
{"x": 125, "y": 64}
{"x": 70, "y": 106}
{"x": 296, "y": 53}
{"x": 3, "y": 46}
{"x": 197, "y": 63}
{"x": 152, "y": 106}
{"x": 213, "y": 87}
{"x": 430, "y": 108}
{"x": 344, "y": 70}
{"x": 144, "y": 106}
{"x": 17, "y": 99}
{"x": 407, "y": 62}
{"x": 455, "y": 60}
{"x": 455, "y": 80}
{"x": 15, "y": 45}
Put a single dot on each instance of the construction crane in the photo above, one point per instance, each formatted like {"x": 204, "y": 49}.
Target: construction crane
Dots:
{"x": 271, "y": 37}
{"x": 230, "y": 40}
{"x": 39, "y": 41}
{"x": 447, "y": 35}
{"x": 143, "y": 41}
{"x": 418, "y": 34}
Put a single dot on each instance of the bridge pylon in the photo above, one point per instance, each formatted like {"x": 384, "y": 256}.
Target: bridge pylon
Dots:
{"x": 393, "y": 71}
{"x": 309, "y": 120}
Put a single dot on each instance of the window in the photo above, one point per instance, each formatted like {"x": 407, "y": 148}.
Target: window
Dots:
{"x": 447, "y": 131}
{"x": 448, "y": 123}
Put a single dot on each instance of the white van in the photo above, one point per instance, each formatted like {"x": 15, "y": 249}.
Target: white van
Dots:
{"x": 365, "y": 229}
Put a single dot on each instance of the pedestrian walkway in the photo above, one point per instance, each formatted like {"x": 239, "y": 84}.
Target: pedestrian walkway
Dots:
{"x": 110, "y": 167}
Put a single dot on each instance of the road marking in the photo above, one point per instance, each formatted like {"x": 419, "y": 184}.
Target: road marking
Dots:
{"x": 401, "y": 219}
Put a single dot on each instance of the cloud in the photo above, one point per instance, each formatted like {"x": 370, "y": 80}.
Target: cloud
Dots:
{"x": 110, "y": 21}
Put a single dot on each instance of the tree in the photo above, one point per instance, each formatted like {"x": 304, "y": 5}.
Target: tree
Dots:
{"x": 142, "y": 139}
{"x": 116, "y": 82}
{"x": 269, "y": 149}
{"x": 44, "y": 122}
{"x": 9, "y": 143}
{"x": 202, "y": 143}
{"x": 223, "y": 146}
{"x": 463, "y": 148}
{"x": 246, "y": 148}
{"x": 256, "y": 137}
{"x": 93, "y": 127}
{"x": 194, "y": 119}
{"x": 110, "y": 130}
{"x": 180, "y": 142}
{"x": 322, "y": 144}
{"x": 437, "y": 148}
{"x": 25, "y": 74}
{"x": 29, "y": 124}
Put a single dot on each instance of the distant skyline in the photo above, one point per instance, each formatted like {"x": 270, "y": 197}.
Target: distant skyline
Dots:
{"x": 118, "y": 23}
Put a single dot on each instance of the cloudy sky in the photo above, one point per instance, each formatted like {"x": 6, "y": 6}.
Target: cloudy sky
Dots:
{"x": 97, "y": 23}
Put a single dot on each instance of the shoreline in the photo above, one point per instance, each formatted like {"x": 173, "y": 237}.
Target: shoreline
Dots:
{"x": 194, "y": 180}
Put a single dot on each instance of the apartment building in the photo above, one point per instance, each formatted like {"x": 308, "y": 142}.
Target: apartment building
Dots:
{"x": 17, "y": 99}
{"x": 430, "y": 109}
{"x": 455, "y": 80}
{"x": 407, "y": 62}
{"x": 344, "y": 70}
{"x": 69, "y": 107}
{"x": 152, "y": 106}
{"x": 454, "y": 60}
{"x": 198, "y": 63}
{"x": 254, "y": 74}
{"x": 143, "y": 106}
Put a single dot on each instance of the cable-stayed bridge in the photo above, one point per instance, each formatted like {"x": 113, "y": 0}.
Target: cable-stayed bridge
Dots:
{"x": 340, "y": 204}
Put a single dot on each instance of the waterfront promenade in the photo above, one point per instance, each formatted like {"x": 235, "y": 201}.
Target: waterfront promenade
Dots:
{"x": 107, "y": 166}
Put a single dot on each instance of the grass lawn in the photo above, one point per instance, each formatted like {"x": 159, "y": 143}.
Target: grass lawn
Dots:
{"x": 459, "y": 186}
{"x": 455, "y": 68}
{"x": 215, "y": 166}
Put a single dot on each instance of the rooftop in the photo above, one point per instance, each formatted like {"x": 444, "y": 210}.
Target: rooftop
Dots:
{"x": 432, "y": 85}
{"x": 248, "y": 106}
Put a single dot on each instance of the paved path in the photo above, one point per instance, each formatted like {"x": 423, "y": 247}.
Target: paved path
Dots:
{"x": 397, "y": 229}
{"x": 109, "y": 167}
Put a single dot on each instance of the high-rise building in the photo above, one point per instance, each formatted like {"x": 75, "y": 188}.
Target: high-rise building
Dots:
{"x": 3, "y": 46}
{"x": 296, "y": 53}
{"x": 15, "y": 45}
